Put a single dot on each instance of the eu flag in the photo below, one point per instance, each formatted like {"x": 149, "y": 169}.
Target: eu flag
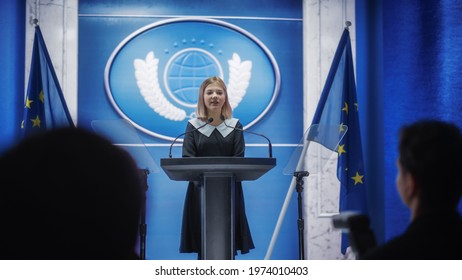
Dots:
{"x": 44, "y": 106}
{"x": 338, "y": 106}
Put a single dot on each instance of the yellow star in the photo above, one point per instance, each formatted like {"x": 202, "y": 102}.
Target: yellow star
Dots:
{"x": 345, "y": 108}
{"x": 342, "y": 127}
{"x": 28, "y": 102}
{"x": 41, "y": 96}
{"x": 36, "y": 122}
{"x": 358, "y": 178}
{"x": 22, "y": 124}
{"x": 341, "y": 149}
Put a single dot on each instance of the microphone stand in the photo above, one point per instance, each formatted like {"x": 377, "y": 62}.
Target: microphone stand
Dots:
{"x": 270, "y": 149}
{"x": 300, "y": 222}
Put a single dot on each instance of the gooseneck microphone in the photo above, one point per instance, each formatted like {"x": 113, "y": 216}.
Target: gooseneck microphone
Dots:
{"x": 192, "y": 130}
{"x": 270, "y": 147}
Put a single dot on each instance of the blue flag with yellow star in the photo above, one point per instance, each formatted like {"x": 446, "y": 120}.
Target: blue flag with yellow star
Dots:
{"x": 44, "y": 106}
{"x": 338, "y": 106}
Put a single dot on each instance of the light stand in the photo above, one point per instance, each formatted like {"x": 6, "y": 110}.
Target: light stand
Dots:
{"x": 299, "y": 175}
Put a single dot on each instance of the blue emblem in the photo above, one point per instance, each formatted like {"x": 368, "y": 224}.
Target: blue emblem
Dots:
{"x": 153, "y": 76}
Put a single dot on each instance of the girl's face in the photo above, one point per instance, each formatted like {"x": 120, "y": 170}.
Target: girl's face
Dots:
{"x": 214, "y": 98}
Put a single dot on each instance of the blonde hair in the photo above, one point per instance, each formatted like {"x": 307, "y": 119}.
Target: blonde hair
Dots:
{"x": 201, "y": 110}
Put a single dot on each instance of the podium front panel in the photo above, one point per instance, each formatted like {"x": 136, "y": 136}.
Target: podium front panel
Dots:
{"x": 217, "y": 218}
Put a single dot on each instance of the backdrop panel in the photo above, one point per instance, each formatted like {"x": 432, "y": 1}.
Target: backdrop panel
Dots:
{"x": 268, "y": 35}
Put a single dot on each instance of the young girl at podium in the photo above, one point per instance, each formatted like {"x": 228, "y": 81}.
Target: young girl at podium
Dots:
{"x": 212, "y": 133}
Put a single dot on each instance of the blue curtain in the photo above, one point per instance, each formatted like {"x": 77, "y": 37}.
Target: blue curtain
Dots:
{"x": 369, "y": 69}
{"x": 12, "y": 48}
{"x": 422, "y": 79}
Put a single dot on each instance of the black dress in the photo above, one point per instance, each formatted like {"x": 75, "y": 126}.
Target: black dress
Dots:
{"x": 212, "y": 141}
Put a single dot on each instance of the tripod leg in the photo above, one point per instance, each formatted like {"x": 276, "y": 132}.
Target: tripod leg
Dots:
{"x": 143, "y": 227}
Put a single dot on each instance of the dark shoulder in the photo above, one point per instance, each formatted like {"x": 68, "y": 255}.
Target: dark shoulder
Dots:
{"x": 189, "y": 126}
{"x": 426, "y": 240}
{"x": 388, "y": 251}
{"x": 239, "y": 125}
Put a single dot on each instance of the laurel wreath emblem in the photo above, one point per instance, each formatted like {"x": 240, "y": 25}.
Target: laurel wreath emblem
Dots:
{"x": 146, "y": 74}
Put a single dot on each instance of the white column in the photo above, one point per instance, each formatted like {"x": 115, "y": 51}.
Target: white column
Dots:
{"x": 323, "y": 24}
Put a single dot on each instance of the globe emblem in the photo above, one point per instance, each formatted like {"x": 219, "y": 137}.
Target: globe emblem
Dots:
{"x": 169, "y": 75}
{"x": 186, "y": 71}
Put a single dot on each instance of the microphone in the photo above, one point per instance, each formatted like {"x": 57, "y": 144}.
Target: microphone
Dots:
{"x": 192, "y": 130}
{"x": 270, "y": 148}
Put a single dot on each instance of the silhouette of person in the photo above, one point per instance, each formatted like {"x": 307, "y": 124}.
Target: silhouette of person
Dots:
{"x": 69, "y": 194}
{"x": 429, "y": 184}
{"x": 213, "y": 139}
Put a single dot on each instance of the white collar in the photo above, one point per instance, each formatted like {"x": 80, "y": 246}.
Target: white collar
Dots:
{"x": 208, "y": 129}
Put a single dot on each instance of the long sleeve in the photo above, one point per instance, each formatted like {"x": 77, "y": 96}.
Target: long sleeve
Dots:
{"x": 189, "y": 145}
{"x": 239, "y": 142}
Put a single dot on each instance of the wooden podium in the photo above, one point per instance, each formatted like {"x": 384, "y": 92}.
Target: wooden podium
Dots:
{"x": 218, "y": 176}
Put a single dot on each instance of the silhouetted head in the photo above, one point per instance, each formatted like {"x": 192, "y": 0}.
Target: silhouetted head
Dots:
{"x": 69, "y": 194}
{"x": 431, "y": 151}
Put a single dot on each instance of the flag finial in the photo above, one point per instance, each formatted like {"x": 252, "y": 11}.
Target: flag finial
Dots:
{"x": 35, "y": 22}
{"x": 347, "y": 24}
